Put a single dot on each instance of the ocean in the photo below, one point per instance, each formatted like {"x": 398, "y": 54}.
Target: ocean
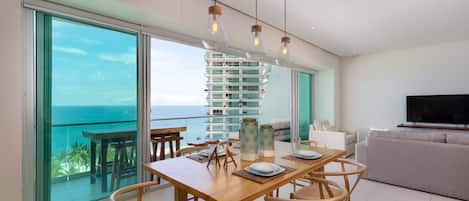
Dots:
{"x": 65, "y": 135}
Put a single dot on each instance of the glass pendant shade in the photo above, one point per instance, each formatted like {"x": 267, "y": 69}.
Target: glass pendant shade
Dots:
{"x": 256, "y": 47}
{"x": 217, "y": 36}
{"x": 284, "y": 48}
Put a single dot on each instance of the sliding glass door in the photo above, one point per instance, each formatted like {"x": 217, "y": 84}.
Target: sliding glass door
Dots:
{"x": 86, "y": 109}
{"x": 305, "y": 103}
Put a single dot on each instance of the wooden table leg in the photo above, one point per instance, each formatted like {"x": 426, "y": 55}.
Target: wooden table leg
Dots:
{"x": 104, "y": 145}
{"x": 93, "y": 162}
{"x": 179, "y": 194}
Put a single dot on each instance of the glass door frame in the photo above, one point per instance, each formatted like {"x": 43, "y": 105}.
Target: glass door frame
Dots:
{"x": 40, "y": 98}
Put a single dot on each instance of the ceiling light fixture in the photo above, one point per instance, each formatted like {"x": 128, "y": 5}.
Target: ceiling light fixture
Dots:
{"x": 285, "y": 40}
{"x": 215, "y": 28}
{"x": 256, "y": 46}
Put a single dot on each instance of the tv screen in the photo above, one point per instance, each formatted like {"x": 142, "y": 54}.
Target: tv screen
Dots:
{"x": 446, "y": 109}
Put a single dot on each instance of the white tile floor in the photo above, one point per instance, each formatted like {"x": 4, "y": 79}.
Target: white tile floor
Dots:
{"x": 365, "y": 191}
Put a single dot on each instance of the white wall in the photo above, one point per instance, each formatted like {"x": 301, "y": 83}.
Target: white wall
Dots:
{"x": 374, "y": 86}
{"x": 10, "y": 100}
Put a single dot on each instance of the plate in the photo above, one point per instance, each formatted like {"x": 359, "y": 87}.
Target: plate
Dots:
{"x": 318, "y": 155}
{"x": 264, "y": 169}
{"x": 205, "y": 153}
{"x": 306, "y": 153}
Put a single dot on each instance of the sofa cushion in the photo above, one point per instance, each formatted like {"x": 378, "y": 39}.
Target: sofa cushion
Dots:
{"x": 457, "y": 139}
{"x": 411, "y": 135}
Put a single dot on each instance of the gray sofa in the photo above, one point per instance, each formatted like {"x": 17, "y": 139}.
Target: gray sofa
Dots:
{"x": 432, "y": 162}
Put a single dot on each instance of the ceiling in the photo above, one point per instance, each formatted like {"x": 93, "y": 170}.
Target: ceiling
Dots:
{"x": 343, "y": 27}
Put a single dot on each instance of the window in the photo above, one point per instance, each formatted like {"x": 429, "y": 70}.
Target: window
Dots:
{"x": 87, "y": 88}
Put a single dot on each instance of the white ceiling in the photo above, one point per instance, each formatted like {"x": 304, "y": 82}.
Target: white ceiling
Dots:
{"x": 344, "y": 27}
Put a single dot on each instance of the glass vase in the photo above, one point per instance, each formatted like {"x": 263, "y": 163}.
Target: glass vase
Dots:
{"x": 267, "y": 140}
{"x": 249, "y": 139}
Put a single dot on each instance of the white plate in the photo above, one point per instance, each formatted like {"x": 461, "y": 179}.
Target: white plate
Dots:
{"x": 205, "y": 153}
{"x": 307, "y": 157}
{"x": 306, "y": 153}
{"x": 275, "y": 169}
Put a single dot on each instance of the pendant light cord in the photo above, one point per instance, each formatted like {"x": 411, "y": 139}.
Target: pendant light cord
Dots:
{"x": 285, "y": 17}
{"x": 256, "y": 12}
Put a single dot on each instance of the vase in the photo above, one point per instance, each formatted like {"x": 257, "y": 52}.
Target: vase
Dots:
{"x": 267, "y": 140}
{"x": 248, "y": 135}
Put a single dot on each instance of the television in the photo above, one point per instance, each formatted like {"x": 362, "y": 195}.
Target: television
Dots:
{"x": 444, "y": 109}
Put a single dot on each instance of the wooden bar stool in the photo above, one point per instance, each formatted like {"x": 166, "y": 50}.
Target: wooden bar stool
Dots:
{"x": 124, "y": 164}
{"x": 174, "y": 142}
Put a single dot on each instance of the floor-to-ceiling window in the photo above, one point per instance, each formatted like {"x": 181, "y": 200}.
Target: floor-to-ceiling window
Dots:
{"x": 87, "y": 109}
{"x": 210, "y": 92}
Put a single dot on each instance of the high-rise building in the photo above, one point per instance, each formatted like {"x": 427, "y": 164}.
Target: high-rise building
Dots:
{"x": 234, "y": 88}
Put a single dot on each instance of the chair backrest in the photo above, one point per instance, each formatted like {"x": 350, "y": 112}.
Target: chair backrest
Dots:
{"x": 341, "y": 194}
{"x": 138, "y": 187}
{"x": 359, "y": 170}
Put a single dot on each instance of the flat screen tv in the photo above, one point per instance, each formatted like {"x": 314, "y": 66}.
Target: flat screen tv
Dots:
{"x": 445, "y": 109}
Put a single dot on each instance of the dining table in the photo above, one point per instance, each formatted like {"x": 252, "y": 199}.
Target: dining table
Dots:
{"x": 214, "y": 183}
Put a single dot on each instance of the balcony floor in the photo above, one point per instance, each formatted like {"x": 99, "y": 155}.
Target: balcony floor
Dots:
{"x": 81, "y": 190}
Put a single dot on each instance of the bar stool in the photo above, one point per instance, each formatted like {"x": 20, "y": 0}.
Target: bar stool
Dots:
{"x": 161, "y": 142}
{"x": 124, "y": 164}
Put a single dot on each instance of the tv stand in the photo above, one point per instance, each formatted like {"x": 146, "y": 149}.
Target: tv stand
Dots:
{"x": 465, "y": 128}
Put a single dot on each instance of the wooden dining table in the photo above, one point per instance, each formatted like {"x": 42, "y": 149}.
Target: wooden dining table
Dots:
{"x": 219, "y": 184}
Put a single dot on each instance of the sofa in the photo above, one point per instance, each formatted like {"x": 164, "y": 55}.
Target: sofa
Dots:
{"x": 434, "y": 162}
{"x": 326, "y": 135}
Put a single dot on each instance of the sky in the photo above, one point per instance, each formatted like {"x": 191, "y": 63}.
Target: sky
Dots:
{"x": 97, "y": 66}
{"x": 92, "y": 65}
{"x": 177, "y": 74}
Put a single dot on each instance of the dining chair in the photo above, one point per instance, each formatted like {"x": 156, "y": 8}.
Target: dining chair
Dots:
{"x": 140, "y": 187}
{"x": 136, "y": 187}
{"x": 346, "y": 172}
{"x": 327, "y": 191}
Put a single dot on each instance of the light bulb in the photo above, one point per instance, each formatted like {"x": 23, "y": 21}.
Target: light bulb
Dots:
{"x": 284, "y": 50}
{"x": 214, "y": 26}
{"x": 256, "y": 41}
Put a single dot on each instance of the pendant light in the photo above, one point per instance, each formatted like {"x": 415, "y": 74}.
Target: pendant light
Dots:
{"x": 216, "y": 33}
{"x": 285, "y": 40}
{"x": 256, "y": 47}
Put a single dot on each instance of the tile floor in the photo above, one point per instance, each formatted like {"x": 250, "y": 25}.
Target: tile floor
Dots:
{"x": 365, "y": 191}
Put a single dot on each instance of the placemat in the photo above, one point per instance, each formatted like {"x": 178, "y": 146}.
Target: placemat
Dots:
{"x": 260, "y": 179}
